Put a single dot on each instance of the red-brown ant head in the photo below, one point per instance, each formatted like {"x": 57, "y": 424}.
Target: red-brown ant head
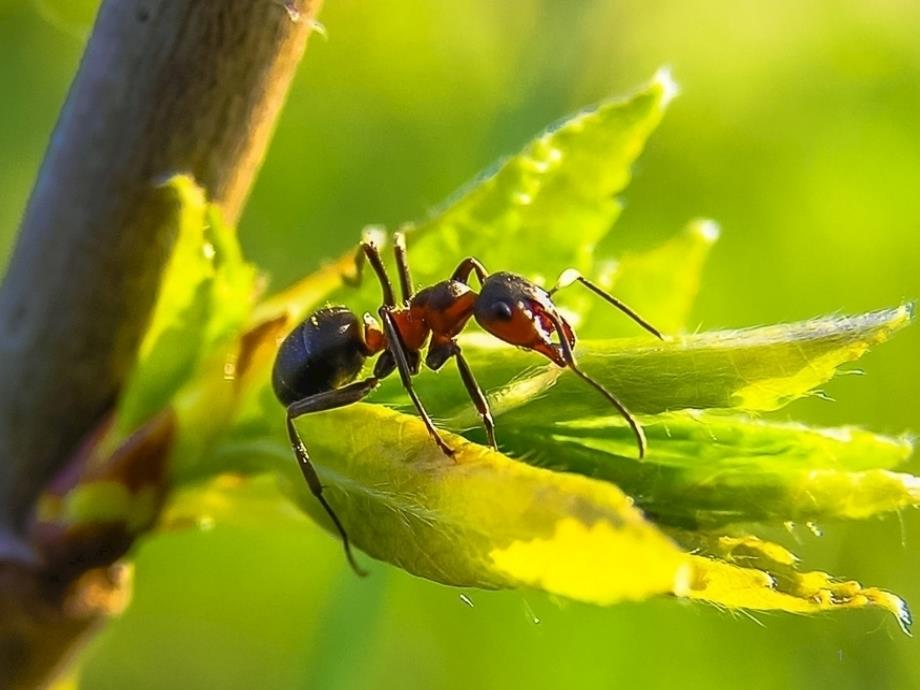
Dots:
{"x": 521, "y": 313}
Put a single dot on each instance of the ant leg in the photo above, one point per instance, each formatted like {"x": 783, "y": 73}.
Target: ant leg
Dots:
{"x": 467, "y": 266}
{"x": 477, "y": 396}
{"x": 370, "y": 251}
{"x": 355, "y": 279}
{"x": 327, "y": 400}
{"x": 569, "y": 358}
{"x": 398, "y": 349}
{"x": 571, "y": 275}
{"x": 402, "y": 265}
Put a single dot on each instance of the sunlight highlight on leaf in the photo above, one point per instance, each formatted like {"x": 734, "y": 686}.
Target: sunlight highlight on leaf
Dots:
{"x": 562, "y": 184}
{"x": 595, "y": 563}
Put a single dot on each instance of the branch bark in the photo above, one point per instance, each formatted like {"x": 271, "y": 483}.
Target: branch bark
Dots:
{"x": 164, "y": 86}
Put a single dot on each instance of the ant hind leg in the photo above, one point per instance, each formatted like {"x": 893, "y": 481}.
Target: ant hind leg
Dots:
{"x": 326, "y": 400}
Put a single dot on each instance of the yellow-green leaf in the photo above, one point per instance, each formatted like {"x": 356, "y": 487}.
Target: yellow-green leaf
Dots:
{"x": 543, "y": 209}
{"x": 205, "y": 296}
{"x": 477, "y": 519}
{"x": 749, "y": 573}
{"x": 708, "y": 470}
{"x": 660, "y": 283}
{"x": 755, "y": 369}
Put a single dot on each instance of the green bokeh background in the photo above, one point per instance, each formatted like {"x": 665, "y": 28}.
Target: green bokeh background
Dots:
{"x": 797, "y": 129}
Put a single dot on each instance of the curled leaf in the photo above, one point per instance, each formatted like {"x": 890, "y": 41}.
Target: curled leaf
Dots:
{"x": 750, "y": 573}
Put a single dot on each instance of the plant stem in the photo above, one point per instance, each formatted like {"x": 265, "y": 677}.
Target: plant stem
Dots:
{"x": 164, "y": 86}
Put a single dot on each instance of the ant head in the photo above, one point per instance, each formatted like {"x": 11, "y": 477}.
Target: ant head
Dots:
{"x": 521, "y": 313}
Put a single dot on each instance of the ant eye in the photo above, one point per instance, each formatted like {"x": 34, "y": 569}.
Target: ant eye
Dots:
{"x": 502, "y": 311}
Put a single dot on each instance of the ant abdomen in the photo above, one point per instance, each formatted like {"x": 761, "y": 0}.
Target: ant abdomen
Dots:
{"x": 324, "y": 352}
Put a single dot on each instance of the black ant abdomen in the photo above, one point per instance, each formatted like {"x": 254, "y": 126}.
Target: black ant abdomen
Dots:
{"x": 323, "y": 353}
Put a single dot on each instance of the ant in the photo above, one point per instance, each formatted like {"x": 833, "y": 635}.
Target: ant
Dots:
{"x": 317, "y": 363}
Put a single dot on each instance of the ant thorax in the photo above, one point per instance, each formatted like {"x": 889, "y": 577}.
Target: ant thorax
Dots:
{"x": 444, "y": 307}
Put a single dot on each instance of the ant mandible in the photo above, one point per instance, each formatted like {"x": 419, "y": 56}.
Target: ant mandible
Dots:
{"x": 318, "y": 362}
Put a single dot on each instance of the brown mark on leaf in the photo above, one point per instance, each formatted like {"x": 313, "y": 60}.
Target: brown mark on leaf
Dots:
{"x": 258, "y": 343}
{"x": 135, "y": 472}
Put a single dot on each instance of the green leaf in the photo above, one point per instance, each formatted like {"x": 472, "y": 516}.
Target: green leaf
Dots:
{"x": 562, "y": 184}
{"x": 484, "y": 520}
{"x": 571, "y": 526}
{"x": 707, "y": 470}
{"x": 477, "y": 519}
{"x": 545, "y": 208}
{"x": 660, "y": 283}
{"x": 754, "y": 369}
{"x": 401, "y": 501}
{"x": 205, "y": 297}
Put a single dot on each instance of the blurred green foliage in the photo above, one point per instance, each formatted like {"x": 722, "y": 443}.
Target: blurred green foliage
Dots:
{"x": 796, "y": 130}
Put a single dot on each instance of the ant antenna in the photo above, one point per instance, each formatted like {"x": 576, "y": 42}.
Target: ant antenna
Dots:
{"x": 571, "y": 275}
{"x": 569, "y": 358}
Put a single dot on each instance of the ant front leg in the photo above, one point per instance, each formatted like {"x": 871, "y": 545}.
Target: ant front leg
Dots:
{"x": 438, "y": 353}
{"x": 319, "y": 402}
{"x": 565, "y": 349}
{"x": 398, "y": 348}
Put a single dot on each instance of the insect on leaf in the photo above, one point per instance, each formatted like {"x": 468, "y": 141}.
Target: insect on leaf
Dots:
{"x": 753, "y": 369}
{"x": 565, "y": 508}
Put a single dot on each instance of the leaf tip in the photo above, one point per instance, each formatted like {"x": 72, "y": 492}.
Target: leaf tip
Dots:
{"x": 664, "y": 81}
{"x": 179, "y": 182}
{"x": 705, "y": 229}
{"x": 899, "y": 317}
{"x": 181, "y": 189}
{"x": 902, "y": 613}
